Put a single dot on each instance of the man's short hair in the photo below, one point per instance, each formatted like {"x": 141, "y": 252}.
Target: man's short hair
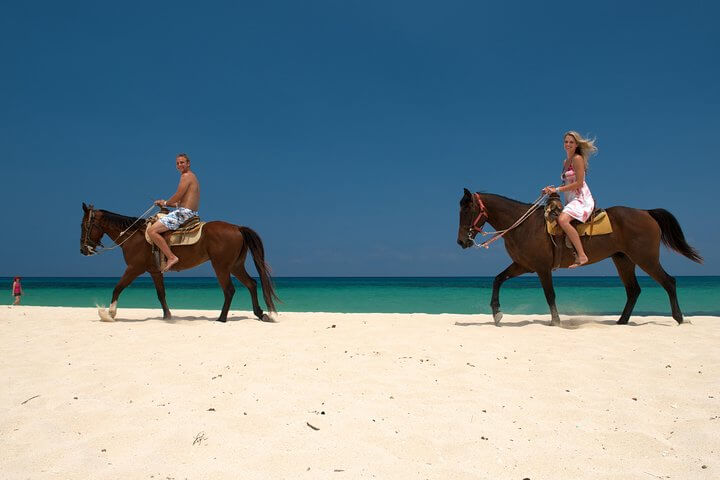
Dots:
{"x": 183, "y": 155}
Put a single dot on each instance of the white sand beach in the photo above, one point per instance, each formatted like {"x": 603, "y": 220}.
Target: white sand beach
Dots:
{"x": 356, "y": 396}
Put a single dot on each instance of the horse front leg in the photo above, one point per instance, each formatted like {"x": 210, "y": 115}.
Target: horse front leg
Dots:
{"x": 626, "y": 271}
{"x": 547, "y": 284}
{"x": 131, "y": 273}
{"x": 160, "y": 289}
{"x": 513, "y": 270}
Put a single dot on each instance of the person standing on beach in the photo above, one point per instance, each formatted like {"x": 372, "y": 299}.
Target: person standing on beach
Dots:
{"x": 579, "y": 202}
{"x": 17, "y": 290}
{"x": 186, "y": 200}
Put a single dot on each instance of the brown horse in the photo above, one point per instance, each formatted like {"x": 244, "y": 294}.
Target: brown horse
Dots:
{"x": 635, "y": 240}
{"x": 224, "y": 244}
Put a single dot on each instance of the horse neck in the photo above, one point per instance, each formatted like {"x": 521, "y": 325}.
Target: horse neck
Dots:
{"x": 114, "y": 227}
{"x": 502, "y": 212}
{"x": 111, "y": 229}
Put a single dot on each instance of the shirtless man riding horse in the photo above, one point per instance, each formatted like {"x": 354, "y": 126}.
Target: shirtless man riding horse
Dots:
{"x": 186, "y": 200}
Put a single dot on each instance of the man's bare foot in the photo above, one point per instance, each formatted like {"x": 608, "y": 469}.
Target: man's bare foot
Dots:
{"x": 579, "y": 261}
{"x": 174, "y": 260}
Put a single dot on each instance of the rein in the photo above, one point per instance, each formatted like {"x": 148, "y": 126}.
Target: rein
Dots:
{"x": 91, "y": 224}
{"x": 500, "y": 233}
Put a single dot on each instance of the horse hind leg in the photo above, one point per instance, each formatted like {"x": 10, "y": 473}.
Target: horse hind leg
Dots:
{"x": 223, "y": 277}
{"x": 655, "y": 270}
{"x": 626, "y": 271}
{"x": 250, "y": 283}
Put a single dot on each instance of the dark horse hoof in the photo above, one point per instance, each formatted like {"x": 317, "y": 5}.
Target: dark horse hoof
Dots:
{"x": 223, "y": 320}
{"x": 622, "y": 321}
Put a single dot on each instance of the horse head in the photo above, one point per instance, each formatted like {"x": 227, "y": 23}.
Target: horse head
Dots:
{"x": 90, "y": 231}
{"x": 473, "y": 216}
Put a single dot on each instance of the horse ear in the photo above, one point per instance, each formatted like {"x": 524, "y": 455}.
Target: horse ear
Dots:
{"x": 467, "y": 193}
{"x": 85, "y": 209}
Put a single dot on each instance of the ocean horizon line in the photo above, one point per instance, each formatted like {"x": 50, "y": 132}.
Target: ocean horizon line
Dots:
{"x": 460, "y": 294}
{"x": 638, "y": 274}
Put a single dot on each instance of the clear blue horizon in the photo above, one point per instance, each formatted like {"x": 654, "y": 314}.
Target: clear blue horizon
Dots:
{"x": 345, "y": 132}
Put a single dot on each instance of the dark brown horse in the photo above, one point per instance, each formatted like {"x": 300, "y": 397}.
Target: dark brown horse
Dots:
{"x": 224, "y": 244}
{"x": 635, "y": 240}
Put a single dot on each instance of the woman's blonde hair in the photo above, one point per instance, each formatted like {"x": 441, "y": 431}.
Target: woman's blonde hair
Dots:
{"x": 585, "y": 146}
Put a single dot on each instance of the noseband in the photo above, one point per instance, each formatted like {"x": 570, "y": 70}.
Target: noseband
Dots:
{"x": 481, "y": 217}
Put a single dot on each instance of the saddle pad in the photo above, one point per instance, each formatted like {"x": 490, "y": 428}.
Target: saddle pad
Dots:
{"x": 600, "y": 225}
{"x": 182, "y": 236}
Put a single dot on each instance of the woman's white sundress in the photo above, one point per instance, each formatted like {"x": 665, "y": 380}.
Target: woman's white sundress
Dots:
{"x": 579, "y": 203}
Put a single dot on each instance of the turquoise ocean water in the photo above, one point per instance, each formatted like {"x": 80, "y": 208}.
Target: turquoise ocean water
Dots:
{"x": 575, "y": 295}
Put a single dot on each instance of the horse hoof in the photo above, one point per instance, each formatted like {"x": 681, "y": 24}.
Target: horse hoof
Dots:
{"x": 497, "y": 317}
{"x": 554, "y": 323}
{"x": 223, "y": 320}
{"x": 267, "y": 318}
{"x": 104, "y": 315}
{"x": 622, "y": 322}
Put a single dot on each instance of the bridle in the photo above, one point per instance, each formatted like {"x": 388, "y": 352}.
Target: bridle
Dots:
{"x": 87, "y": 231}
{"x": 90, "y": 224}
{"x": 482, "y": 216}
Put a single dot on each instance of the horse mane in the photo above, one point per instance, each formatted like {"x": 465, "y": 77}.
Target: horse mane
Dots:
{"x": 118, "y": 220}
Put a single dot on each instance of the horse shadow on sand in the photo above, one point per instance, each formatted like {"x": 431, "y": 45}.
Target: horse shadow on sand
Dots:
{"x": 178, "y": 319}
{"x": 571, "y": 323}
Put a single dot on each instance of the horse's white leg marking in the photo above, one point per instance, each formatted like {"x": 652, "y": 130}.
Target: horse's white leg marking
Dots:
{"x": 113, "y": 309}
{"x": 104, "y": 316}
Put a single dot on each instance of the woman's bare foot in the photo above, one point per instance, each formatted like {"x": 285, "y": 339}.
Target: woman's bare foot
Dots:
{"x": 579, "y": 261}
{"x": 172, "y": 261}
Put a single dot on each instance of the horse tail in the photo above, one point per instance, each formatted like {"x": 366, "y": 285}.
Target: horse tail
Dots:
{"x": 672, "y": 235}
{"x": 258, "y": 253}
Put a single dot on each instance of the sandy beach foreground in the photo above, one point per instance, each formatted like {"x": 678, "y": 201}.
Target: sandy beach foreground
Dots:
{"x": 346, "y": 396}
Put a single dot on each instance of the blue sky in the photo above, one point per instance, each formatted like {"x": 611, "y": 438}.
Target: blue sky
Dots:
{"x": 343, "y": 132}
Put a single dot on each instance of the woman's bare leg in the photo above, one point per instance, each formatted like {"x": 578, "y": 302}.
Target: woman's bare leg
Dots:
{"x": 564, "y": 221}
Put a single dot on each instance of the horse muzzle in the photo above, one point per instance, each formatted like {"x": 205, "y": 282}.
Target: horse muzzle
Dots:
{"x": 465, "y": 243}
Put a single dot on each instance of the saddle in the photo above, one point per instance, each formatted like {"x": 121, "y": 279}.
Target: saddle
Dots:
{"x": 188, "y": 233}
{"x": 597, "y": 224}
